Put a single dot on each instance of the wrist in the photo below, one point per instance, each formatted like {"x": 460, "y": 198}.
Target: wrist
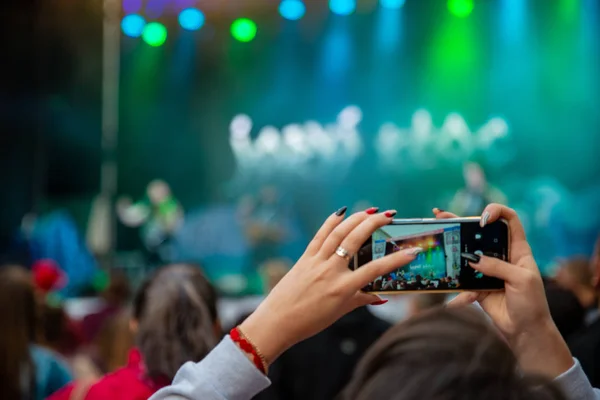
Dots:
{"x": 542, "y": 351}
{"x": 268, "y": 340}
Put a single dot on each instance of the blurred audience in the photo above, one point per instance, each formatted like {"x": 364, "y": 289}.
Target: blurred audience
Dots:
{"x": 306, "y": 370}
{"x": 576, "y": 275}
{"x": 565, "y": 309}
{"x": 444, "y": 354}
{"x": 174, "y": 321}
{"x": 585, "y": 344}
{"x": 27, "y": 370}
{"x": 115, "y": 297}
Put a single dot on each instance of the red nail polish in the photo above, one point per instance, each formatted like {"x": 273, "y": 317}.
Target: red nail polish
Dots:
{"x": 380, "y": 302}
{"x": 390, "y": 214}
{"x": 372, "y": 210}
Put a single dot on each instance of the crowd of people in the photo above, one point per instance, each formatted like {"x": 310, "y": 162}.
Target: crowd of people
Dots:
{"x": 312, "y": 336}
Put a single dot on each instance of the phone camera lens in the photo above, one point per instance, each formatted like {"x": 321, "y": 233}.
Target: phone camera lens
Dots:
{"x": 478, "y": 236}
{"x": 495, "y": 240}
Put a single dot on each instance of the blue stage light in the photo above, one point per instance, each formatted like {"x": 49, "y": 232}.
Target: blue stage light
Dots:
{"x": 393, "y": 4}
{"x": 191, "y": 19}
{"x": 133, "y": 25}
{"x": 342, "y": 7}
{"x": 292, "y": 9}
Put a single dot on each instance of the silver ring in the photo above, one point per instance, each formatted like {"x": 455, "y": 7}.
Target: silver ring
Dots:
{"x": 342, "y": 252}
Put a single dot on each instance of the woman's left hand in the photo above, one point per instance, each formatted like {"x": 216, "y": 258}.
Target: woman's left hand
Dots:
{"x": 321, "y": 288}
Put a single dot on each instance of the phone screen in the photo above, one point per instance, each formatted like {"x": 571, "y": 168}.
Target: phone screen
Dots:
{"x": 441, "y": 265}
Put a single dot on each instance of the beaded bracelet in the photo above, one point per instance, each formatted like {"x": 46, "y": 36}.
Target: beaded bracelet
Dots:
{"x": 249, "y": 348}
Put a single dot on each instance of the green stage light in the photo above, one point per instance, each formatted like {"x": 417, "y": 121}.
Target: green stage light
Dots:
{"x": 461, "y": 8}
{"x": 243, "y": 29}
{"x": 154, "y": 34}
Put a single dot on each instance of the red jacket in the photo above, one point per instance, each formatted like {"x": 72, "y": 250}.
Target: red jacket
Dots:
{"x": 127, "y": 383}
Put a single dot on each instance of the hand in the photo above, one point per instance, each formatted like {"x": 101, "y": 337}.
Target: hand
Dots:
{"x": 520, "y": 312}
{"x": 321, "y": 288}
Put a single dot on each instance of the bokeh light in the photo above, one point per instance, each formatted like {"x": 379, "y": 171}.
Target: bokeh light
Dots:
{"x": 132, "y": 6}
{"x": 393, "y": 4}
{"x": 133, "y": 25}
{"x": 154, "y": 8}
{"x": 155, "y": 34}
{"x": 461, "y": 8}
{"x": 191, "y": 19}
{"x": 243, "y": 29}
{"x": 342, "y": 7}
{"x": 292, "y": 9}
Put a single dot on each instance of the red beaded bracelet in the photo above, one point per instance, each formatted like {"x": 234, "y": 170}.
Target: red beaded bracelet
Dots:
{"x": 249, "y": 348}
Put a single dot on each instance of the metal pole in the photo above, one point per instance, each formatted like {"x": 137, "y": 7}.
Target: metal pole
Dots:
{"x": 111, "y": 46}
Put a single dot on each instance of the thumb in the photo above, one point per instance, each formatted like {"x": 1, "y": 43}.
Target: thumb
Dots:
{"x": 363, "y": 299}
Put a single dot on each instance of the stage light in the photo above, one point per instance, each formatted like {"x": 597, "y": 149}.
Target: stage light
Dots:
{"x": 240, "y": 127}
{"x": 155, "y": 34}
{"x": 342, "y": 7}
{"x": 393, "y": 4}
{"x": 460, "y": 8}
{"x": 243, "y": 29}
{"x": 292, "y": 9}
{"x": 191, "y": 19}
{"x": 133, "y": 25}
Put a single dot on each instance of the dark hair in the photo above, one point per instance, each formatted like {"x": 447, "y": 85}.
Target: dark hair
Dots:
{"x": 176, "y": 312}
{"x": 18, "y": 321}
{"x": 118, "y": 291}
{"x": 566, "y": 310}
{"x": 443, "y": 354}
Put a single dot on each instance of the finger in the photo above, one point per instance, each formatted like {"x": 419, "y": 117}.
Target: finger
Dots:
{"x": 328, "y": 226}
{"x": 362, "y": 299}
{"x": 496, "y": 268}
{"x": 464, "y": 299}
{"x": 337, "y": 235}
{"x": 354, "y": 240}
{"x": 494, "y": 212}
{"x": 518, "y": 242}
{"x": 441, "y": 214}
{"x": 370, "y": 271}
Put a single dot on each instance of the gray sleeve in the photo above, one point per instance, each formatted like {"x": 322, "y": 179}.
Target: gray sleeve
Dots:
{"x": 575, "y": 385}
{"x": 224, "y": 374}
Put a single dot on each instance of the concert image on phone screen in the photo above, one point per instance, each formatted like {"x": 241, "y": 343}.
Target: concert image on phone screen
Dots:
{"x": 441, "y": 265}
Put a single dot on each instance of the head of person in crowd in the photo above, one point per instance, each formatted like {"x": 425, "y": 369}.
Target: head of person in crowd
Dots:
{"x": 575, "y": 274}
{"x": 113, "y": 342}
{"x": 444, "y": 354}
{"x": 595, "y": 265}
{"x": 423, "y": 302}
{"x": 567, "y": 312}
{"x": 175, "y": 319}
{"x": 18, "y": 321}
{"x": 27, "y": 371}
{"x": 118, "y": 290}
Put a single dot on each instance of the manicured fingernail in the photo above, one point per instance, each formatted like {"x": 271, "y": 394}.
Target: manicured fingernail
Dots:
{"x": 484, "y": 219}
{"x": 390, "y": 213}
{"x": 372, "y": 210}
{"x": 471, "y": 257}
{"x": 341, "y": 211}
{"x": 438, "y": 210}
{"x": 413, "y": 251}
{"x": 380, "y": 302}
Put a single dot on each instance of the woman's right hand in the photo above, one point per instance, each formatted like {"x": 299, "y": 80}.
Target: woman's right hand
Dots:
{"x": 321, "y": 288}
{"x": 521, "y": 311}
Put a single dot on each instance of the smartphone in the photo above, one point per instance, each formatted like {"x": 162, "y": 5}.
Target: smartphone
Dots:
{"x": 443, "y": 266}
